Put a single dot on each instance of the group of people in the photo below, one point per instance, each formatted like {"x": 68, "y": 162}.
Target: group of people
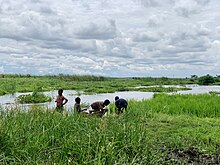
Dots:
{"x": 98, "y": 107}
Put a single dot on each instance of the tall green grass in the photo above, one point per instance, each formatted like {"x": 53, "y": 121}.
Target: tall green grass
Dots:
{"x": 144, "y": 134}
{"x": 203, "y": 105}
{"x": 42, "y": 137}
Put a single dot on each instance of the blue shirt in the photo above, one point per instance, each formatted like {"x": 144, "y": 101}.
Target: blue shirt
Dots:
{"x": 121, "y": 103}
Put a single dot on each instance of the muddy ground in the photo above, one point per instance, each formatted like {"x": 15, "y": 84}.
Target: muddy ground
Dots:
{"x": 192, "y": 156}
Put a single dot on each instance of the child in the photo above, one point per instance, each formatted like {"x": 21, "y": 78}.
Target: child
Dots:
{"x": 77, "y": 106}
{"x": 99, "y": 108}
{"x": 61, "y": 101}
{"x": 100, "y": 105}
{"x": 121, "y": 104}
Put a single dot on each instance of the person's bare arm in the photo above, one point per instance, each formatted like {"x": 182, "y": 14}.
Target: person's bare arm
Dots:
{"x": 65, "y": 101}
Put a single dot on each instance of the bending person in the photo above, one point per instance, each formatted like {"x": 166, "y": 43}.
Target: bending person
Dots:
{"x": 98, "y": 107}
{"x": 121, "y": 104}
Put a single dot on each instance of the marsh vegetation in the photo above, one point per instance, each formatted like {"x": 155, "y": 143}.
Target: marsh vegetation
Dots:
{"x": 167, "y": 129}
{"x": 154, "y": 131}
{"x": 88, "y": 84}
{"x": 35, "y": 97}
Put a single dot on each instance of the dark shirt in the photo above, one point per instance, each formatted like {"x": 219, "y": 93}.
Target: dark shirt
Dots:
{"x": 121, "y": 103}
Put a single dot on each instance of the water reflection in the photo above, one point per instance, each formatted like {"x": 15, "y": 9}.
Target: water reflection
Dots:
{"x": 8, "y": 101}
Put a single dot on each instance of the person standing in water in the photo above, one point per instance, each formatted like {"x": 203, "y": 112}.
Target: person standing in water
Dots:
{"x": 77, "y": 106}
{"x": 60, "y": 101}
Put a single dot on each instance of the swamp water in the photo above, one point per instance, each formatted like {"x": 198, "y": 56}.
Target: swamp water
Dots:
{"x": 9, "y": 101}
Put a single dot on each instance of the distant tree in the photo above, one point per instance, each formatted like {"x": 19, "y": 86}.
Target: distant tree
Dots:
{"x": 194, "y": 76}
{"x": 217, "y": 78}
{"x": 206, "y": 80}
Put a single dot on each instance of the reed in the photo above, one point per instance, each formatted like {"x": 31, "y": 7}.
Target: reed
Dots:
{"x": 149, "y": 132}
{"x": 203, "y": 105}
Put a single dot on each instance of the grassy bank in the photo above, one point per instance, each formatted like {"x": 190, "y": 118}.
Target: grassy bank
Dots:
{"x": 163, "y": 130}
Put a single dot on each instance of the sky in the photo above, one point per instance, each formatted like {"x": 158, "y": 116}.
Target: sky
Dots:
{"x": 113, "y": 38}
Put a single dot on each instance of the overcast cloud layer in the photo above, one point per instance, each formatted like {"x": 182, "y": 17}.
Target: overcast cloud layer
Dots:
{"x": 172, "y": 38}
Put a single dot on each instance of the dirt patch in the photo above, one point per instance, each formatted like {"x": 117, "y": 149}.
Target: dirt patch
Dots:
{"x": 192, "y": 156}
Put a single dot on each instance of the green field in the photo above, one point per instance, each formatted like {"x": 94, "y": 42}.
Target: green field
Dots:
{"x": 168, "y": 129}
{"x": 87, "y": 84}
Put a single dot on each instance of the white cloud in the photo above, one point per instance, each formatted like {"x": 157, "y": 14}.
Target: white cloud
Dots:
{"x": 146, "y": 37}
{"x": 132, "y": 38}
{"x": 2, "y": 70}
{"x": 187, "y": 8}
{"x": 98, "y": 31}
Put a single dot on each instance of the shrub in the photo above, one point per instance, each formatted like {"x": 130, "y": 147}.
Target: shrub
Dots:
{"x": 206, "y": 80}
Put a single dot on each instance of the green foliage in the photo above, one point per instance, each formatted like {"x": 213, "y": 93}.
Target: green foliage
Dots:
{"x": 88, "y": 84}
{"x": 41, "y": 137}
{"x": 35, "y": 97}
{"x": 79, "y": 77}
{"x": 206, "y": 80}
{"x": 7, "y": 87}
{"x": 203, "y": 105}
{"x": 149, "y": 132}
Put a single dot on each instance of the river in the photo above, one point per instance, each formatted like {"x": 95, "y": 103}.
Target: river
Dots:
{"x": 8, "y": 101}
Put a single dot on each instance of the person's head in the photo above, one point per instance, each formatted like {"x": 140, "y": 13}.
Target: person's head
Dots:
{"x": 60, "y": 92}
{"x": 106, "y": 102}
{"x": 77, "y": 100}
{"x": 116, "y": 98}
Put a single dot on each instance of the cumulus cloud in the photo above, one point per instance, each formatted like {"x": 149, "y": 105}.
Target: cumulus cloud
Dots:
{"x": 156, "y": 20}
{"x": 98, "y": 31}
{"x": 132, "y": 38}
{"x": 187, "y": 8}
{"x": 145, "y": 37}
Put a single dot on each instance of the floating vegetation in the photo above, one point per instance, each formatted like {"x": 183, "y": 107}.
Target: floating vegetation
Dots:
{"x": 214, "y": 92}
{"x": 35, "y": 97}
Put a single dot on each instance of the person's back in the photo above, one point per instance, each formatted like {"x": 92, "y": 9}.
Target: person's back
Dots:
{"x": 99, "y": 106}
{"x": 121, "y": 104}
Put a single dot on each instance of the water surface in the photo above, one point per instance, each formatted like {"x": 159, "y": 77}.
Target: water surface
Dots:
{"x": 8, "y": 101}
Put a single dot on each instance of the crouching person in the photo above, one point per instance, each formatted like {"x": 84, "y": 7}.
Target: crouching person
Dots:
{"x": 99, "y": 107}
